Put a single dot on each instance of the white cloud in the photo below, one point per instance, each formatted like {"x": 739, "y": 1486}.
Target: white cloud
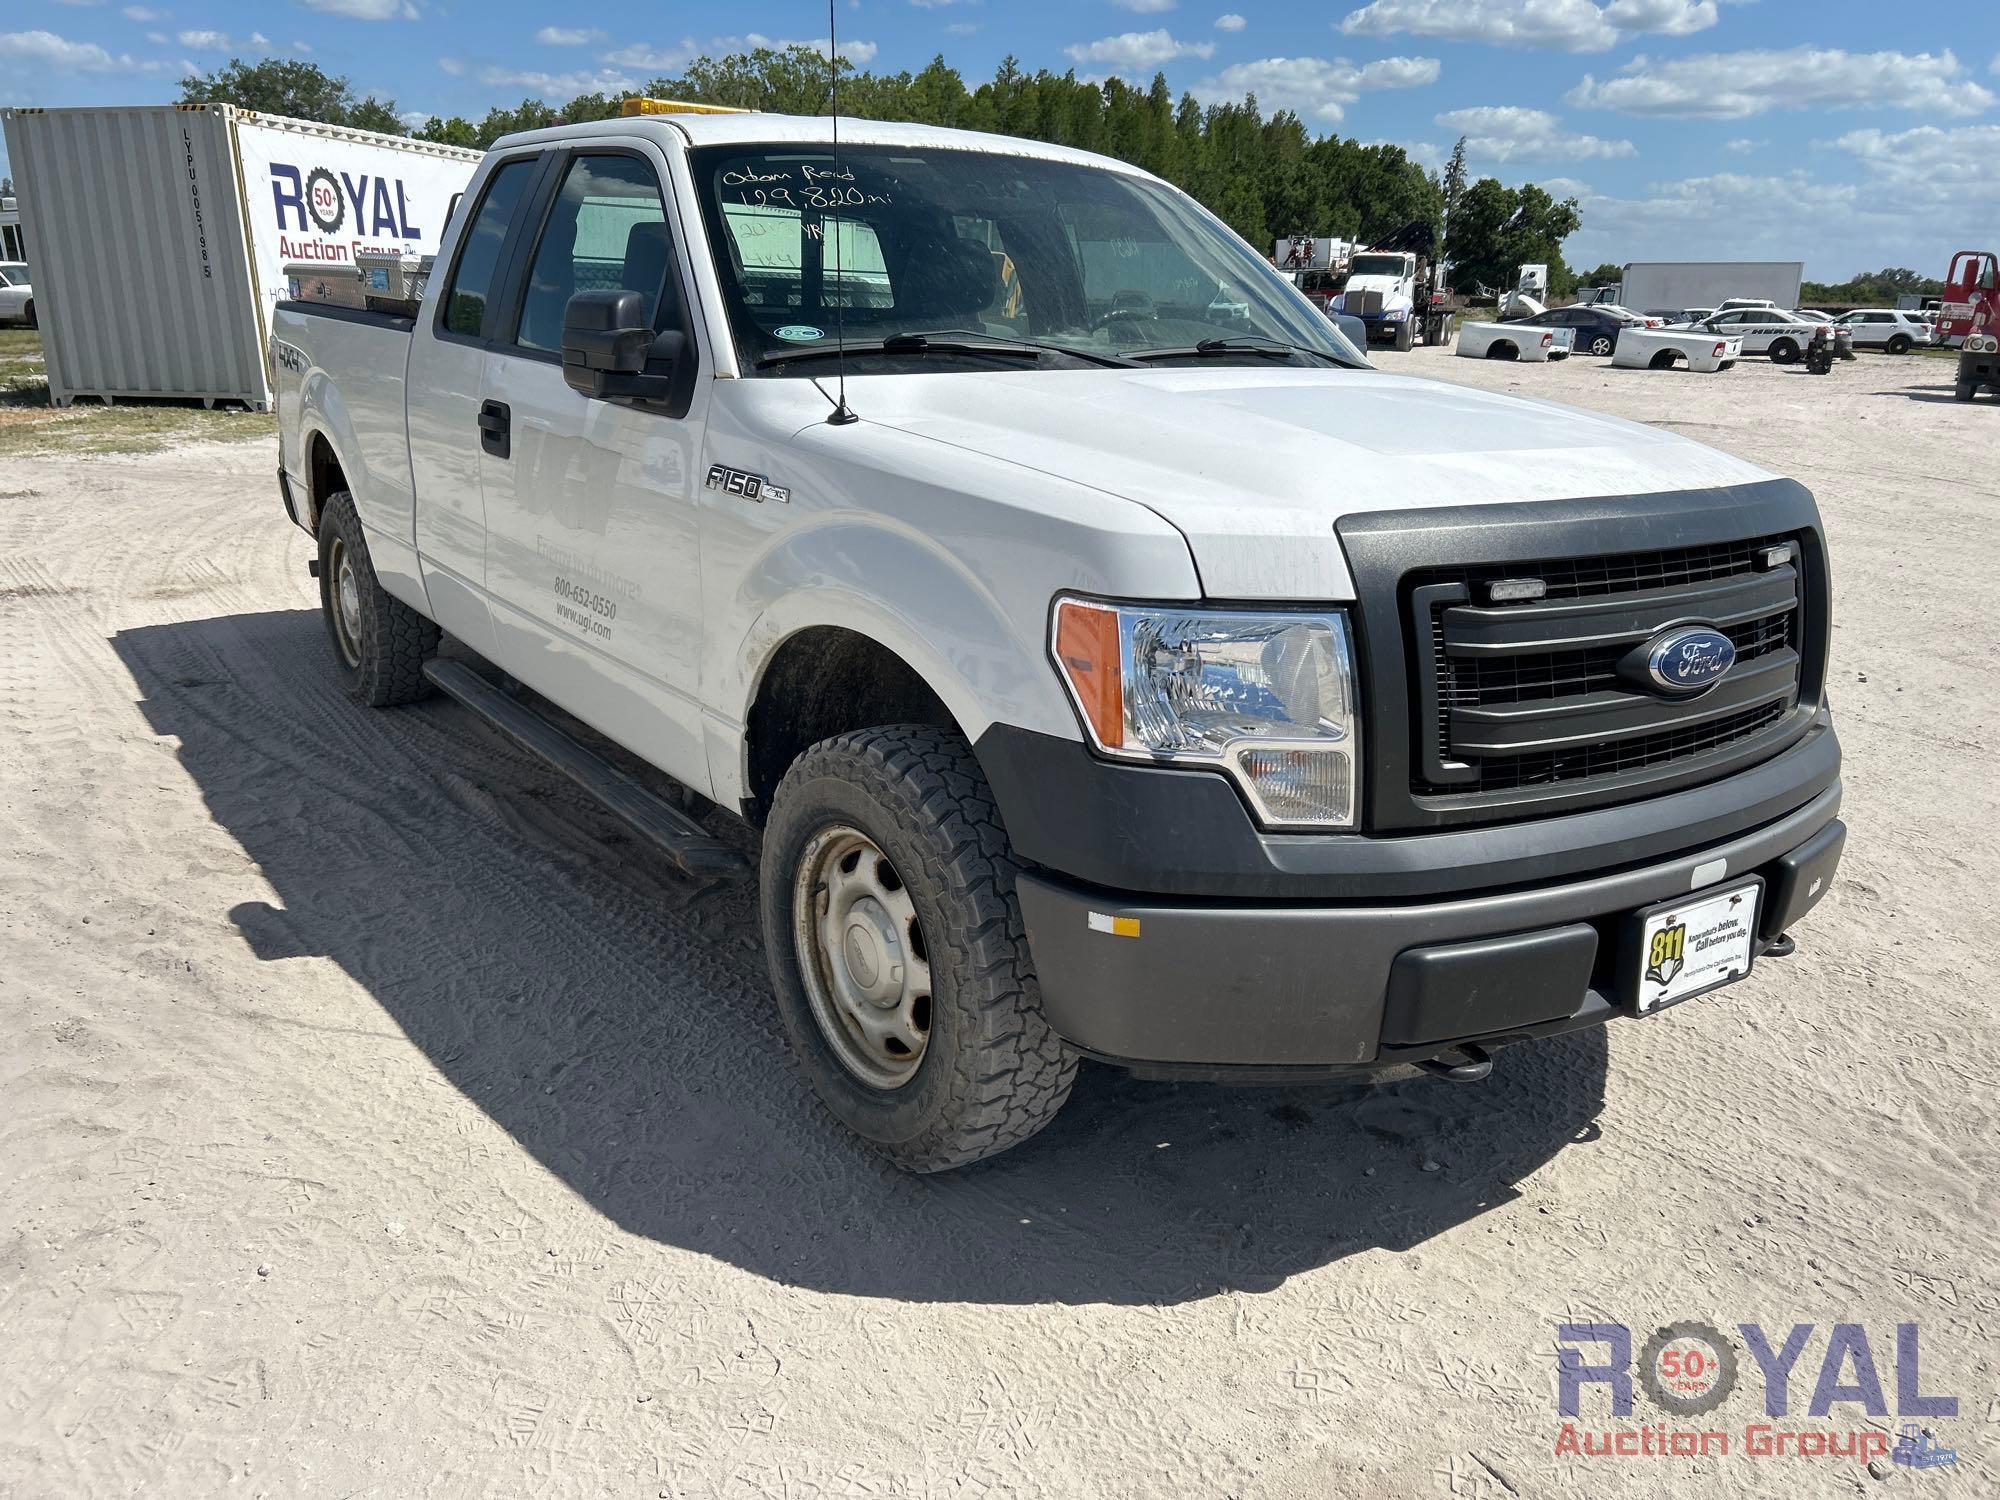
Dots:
{"x": 365, "y": 10}
{"x": 1145, "y": 7}
{"x": 46, "y": 50}
{"x": 1230, "y": 22}
{"x": 1737, "y": 85}
{"x": 1138, "y": 49}
{"x": 1560, "y": 25}
{"x": 140, "y": 13}
{"x": 858, "y": 53}
{"x": 1743, "y": 145}
{"x": 1314, "y": 86}
{"x": 961, "y": 28}
{"x": 452, "y": 66}
{"x": 1930, "y": 170}
{"x": 557, "y": 87}
{"x": 644, "y": 55}
{"x": 414, "y": 118}
{"x": 1501, "y": 133}
{"x": 568, "y": 36}
{"x": 221, "y": 41}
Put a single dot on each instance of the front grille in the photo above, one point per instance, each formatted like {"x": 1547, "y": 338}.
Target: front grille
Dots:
{"x": 1530, "y": 695}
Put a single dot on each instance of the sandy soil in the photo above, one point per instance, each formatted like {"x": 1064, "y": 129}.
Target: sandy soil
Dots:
{"x": 378, "y": 1121}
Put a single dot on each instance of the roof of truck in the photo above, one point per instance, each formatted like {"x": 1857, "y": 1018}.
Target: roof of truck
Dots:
{"x": 756, "y": 128}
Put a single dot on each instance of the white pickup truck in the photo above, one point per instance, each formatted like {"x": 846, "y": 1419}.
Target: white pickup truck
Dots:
{"x": 1106, "y": 675}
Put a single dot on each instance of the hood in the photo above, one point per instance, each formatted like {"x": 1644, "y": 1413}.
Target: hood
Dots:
{"x": 1383, "y": 284}
{"x": 1255, "y": 465}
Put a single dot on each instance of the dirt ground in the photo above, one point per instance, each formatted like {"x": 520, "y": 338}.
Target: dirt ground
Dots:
{"x": 377, "y": 1121}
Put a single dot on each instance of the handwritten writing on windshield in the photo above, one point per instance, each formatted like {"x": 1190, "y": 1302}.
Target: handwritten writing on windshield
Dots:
{"x": 801, "y": 187}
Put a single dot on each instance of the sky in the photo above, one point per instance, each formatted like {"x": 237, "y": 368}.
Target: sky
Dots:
{"x": 1848, "y": 134}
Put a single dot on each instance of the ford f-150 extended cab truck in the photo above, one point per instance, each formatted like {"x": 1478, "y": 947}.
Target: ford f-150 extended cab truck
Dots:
{"x": 1109, "y": 671}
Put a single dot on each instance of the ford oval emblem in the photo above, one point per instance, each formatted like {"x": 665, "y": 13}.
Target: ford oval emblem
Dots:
{"x": 1689, "y": 658}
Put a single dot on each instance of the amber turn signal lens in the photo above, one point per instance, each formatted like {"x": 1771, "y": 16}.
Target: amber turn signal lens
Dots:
{"x": 1087, "y": 650}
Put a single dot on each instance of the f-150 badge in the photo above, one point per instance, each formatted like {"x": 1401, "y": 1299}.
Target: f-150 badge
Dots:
{"x": 749, "y": 486}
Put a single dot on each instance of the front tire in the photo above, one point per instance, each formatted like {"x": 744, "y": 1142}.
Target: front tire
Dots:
{"x": 380, "y": 644}
{"x": 1405, "y": 337}
{"x": 1964, "y": 390}
{"x": 898, "y": 953}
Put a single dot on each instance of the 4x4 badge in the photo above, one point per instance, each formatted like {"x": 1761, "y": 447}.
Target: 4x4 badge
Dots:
{"x": 749, "y": 486}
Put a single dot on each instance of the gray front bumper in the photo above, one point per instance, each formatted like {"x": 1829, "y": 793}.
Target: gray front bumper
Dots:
{"x": 1222, "y": 988}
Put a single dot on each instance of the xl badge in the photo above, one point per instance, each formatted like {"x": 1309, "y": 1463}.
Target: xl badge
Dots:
{"x": 749, "y": 486}
{"x": 1688, "y": 660}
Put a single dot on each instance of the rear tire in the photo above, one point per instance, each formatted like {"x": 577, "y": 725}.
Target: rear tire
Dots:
{"x": 923, "y": 875}
{"x": 1600, "y": 345}
{"x": 28, "y": 313}
{"x": 1899, "y": 343}
{"x": 1964, "y": 390}
{"x": 1784, "y": 352}
{"x": 380, "y": 644}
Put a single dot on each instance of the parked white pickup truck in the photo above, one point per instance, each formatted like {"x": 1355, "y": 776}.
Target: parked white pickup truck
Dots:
{"x": 1106, "y": 675}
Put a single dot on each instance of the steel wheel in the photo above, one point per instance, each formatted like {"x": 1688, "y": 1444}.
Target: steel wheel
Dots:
{"x": 862, "y": 956}
{"x": 347, "y": 603}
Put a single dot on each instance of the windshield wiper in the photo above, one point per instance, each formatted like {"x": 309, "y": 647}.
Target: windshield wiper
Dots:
{"x": 944, "y": 341}
{"x": 1255, "y": 344}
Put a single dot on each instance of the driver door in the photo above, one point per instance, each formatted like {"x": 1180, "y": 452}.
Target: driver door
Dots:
{"x": 592, "y": 554}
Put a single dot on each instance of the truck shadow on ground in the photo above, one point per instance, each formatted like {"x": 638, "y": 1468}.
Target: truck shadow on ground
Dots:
{"x": 616, "y": 1023}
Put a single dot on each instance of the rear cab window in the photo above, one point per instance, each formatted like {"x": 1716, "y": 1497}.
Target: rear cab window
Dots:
{"x": 465, "y": 302}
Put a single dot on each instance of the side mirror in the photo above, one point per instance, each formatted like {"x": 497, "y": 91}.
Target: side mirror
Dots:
{"x": 610, "y": 352}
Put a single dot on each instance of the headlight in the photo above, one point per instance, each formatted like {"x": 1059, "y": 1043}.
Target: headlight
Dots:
{"x": 1267, "y": 697}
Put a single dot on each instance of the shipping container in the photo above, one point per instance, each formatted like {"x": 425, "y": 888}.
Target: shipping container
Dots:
{"x": 162, "y": 232}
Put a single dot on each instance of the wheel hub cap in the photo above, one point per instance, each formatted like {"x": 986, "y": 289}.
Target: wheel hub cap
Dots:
{"x": 862, "y": 956}
{"x": 346, "y": 603}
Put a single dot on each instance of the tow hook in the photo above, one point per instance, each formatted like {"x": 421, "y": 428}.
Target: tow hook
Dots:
{"x": 312, "y": 566}
{"x": 1782, "y": 946}
{"x": 1476, "y": 1065}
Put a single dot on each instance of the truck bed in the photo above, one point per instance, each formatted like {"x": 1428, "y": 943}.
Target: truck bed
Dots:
{"x": 340, "y": 371}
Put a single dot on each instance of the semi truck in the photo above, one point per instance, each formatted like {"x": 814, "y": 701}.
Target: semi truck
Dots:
{"x": 1010, "y": 616}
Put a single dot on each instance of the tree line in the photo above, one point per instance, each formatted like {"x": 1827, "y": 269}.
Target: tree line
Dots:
{"x": 1266, "y": 177}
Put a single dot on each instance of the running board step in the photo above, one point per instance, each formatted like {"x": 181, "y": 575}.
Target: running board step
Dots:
{"x": 692, "y": 849}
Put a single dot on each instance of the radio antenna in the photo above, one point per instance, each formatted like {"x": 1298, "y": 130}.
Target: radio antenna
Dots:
{"x": 842, "y": 412}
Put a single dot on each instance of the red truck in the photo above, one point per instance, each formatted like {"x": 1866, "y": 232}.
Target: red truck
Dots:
{"x": 1971, "y": 302}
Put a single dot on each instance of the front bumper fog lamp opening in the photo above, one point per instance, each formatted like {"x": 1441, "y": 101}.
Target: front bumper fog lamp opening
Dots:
{"x": 1298, "y": 784}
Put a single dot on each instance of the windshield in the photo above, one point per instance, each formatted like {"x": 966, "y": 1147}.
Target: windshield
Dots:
{"x": 1377, "y": 265}
{"x": 898, "y": 241}
{"x": 5, "y": 278}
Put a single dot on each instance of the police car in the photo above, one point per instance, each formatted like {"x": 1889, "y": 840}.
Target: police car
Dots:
{"x": 1771, "y": 330}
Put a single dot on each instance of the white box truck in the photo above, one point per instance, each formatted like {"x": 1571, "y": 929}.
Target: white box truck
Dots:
{"x": 1670, "y": 285}
{"x": 162, "y": 233}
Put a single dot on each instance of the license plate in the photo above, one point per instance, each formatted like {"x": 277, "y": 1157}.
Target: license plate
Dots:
{"x": 1687, "y": 948}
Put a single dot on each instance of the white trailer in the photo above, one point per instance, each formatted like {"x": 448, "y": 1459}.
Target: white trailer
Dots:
{"x": 1650, "y": 285}
{"x": 161, "y": 234}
